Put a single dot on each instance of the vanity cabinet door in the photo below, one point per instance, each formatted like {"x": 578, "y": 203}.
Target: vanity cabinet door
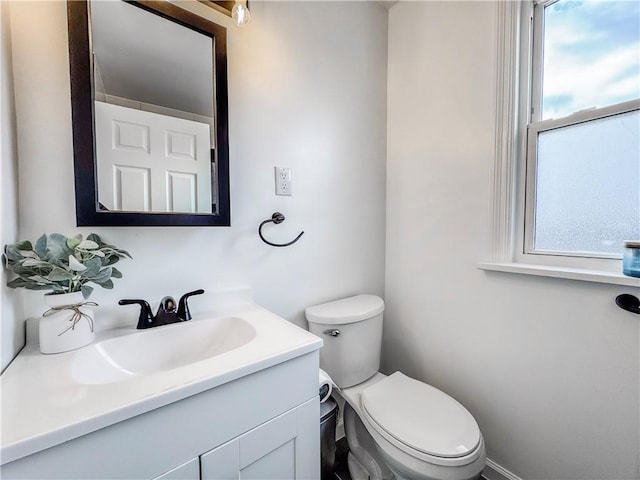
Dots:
{"x": 287, "y": 447}
{"x": 187, "y": 471}
{"x": 221, "y": 463}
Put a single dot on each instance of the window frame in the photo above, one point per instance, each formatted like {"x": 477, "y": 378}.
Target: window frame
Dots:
{"x": 533, "y": 124}
{"x": 513, "y": 110}
{"x": 533, "y": 129}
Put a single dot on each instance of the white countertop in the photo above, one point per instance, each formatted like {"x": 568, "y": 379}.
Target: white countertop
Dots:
{"x": 43, "y": 406}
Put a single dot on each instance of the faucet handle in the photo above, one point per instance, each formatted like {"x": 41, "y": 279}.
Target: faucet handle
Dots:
{"x": 183, "y": 306}
{"x": 145, "y": 320}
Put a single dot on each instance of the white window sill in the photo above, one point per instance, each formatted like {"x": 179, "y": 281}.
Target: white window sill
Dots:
{"x": 598, "y": 276}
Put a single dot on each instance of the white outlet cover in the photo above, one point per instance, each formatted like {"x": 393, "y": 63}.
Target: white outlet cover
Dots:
{"x": 284, "y": 180}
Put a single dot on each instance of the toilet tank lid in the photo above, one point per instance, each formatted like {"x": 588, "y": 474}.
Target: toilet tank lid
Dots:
{"x": 346, "y": 310}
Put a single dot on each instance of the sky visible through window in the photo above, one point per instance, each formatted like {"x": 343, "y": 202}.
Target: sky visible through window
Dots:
{"x": 591, "y": 55}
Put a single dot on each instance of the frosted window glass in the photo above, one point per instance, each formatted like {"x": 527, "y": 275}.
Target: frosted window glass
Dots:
{"x": 591, "y": 55}
{"x": 588, "y": 186}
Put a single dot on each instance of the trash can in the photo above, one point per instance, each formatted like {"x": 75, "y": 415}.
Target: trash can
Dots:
{"x": 328, "y": 417}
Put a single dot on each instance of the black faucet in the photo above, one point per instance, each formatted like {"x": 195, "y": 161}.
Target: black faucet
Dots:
{"x": 167, "y": 311}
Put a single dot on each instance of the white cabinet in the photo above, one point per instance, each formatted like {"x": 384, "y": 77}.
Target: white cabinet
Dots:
{"x": 265, "y": 425}
{"x": 282, "y": 448}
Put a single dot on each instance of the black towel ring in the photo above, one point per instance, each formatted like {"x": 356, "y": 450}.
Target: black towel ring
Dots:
{"x": 276, "y": 218}
{"x": 628, "y": 302}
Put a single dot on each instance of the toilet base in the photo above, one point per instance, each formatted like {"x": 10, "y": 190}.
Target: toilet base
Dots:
{"x": 364, "y": 460}
{"x": 435, "y": 472}
{"x": 356, "y": 470}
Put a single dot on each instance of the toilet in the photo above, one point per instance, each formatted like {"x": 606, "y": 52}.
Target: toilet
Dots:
{"x": 396, "y": 426}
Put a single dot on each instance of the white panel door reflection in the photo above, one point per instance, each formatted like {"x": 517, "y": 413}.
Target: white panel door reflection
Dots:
{"x": 149, "y": 162}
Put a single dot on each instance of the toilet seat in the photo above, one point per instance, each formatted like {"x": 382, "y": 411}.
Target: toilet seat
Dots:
{"x": 421, "y": 420}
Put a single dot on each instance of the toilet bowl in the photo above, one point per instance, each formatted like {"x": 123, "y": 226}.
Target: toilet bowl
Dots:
{"x": 395, "y": 426}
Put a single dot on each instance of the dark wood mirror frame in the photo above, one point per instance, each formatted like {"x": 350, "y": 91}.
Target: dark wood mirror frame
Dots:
{"x": 82, "y": 108}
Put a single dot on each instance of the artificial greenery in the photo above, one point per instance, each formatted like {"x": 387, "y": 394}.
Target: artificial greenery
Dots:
{"x": 61, "y": 264}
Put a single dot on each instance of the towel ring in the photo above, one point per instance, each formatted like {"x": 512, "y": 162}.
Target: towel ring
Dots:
{"x": 628, "y": 302}
{"x": 276, "y": 218}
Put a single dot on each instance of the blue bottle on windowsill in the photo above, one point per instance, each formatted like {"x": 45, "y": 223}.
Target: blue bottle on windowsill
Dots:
{"x": 631, "y": 258}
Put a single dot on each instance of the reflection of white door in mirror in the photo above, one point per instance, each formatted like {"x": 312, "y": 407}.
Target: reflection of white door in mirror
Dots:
{"x": 149, "y": 162}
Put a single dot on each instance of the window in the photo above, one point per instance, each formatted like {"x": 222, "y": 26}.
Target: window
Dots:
{"x": 583, "y": 135}
{"x": 585, "y": 184}
{"x": 567, "y": 168}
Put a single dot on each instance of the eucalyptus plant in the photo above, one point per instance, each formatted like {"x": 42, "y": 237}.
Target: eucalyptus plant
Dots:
{"x": 63, "y": 265}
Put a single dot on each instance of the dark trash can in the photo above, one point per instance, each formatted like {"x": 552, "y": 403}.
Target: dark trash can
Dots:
{"x": 328, "y": 418}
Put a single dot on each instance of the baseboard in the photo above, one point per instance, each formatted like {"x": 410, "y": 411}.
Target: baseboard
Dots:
{"x": 493, "y": 471}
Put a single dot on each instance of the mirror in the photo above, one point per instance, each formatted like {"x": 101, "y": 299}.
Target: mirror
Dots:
{"x": 150, "y": 113}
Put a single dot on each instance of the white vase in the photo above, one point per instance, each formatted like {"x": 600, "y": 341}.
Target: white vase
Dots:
{"x": 63, "y": 329}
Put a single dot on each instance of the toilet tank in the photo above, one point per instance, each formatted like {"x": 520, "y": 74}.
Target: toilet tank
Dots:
{"x": 352, "y": 332}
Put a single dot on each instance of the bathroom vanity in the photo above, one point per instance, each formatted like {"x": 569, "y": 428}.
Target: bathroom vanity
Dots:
{"x": 250, "y": 410}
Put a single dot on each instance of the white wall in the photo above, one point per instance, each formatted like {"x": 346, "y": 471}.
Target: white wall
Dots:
{"x": 11, "y": 330}
{"x": 307, "y": 90}
{"x": 549, "y": 368}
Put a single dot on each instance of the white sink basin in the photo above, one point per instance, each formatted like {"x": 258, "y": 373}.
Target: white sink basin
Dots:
{"x": 159, "y": 349}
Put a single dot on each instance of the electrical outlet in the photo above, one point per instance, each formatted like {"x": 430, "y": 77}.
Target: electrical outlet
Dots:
{"x": 284, "y": 181}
